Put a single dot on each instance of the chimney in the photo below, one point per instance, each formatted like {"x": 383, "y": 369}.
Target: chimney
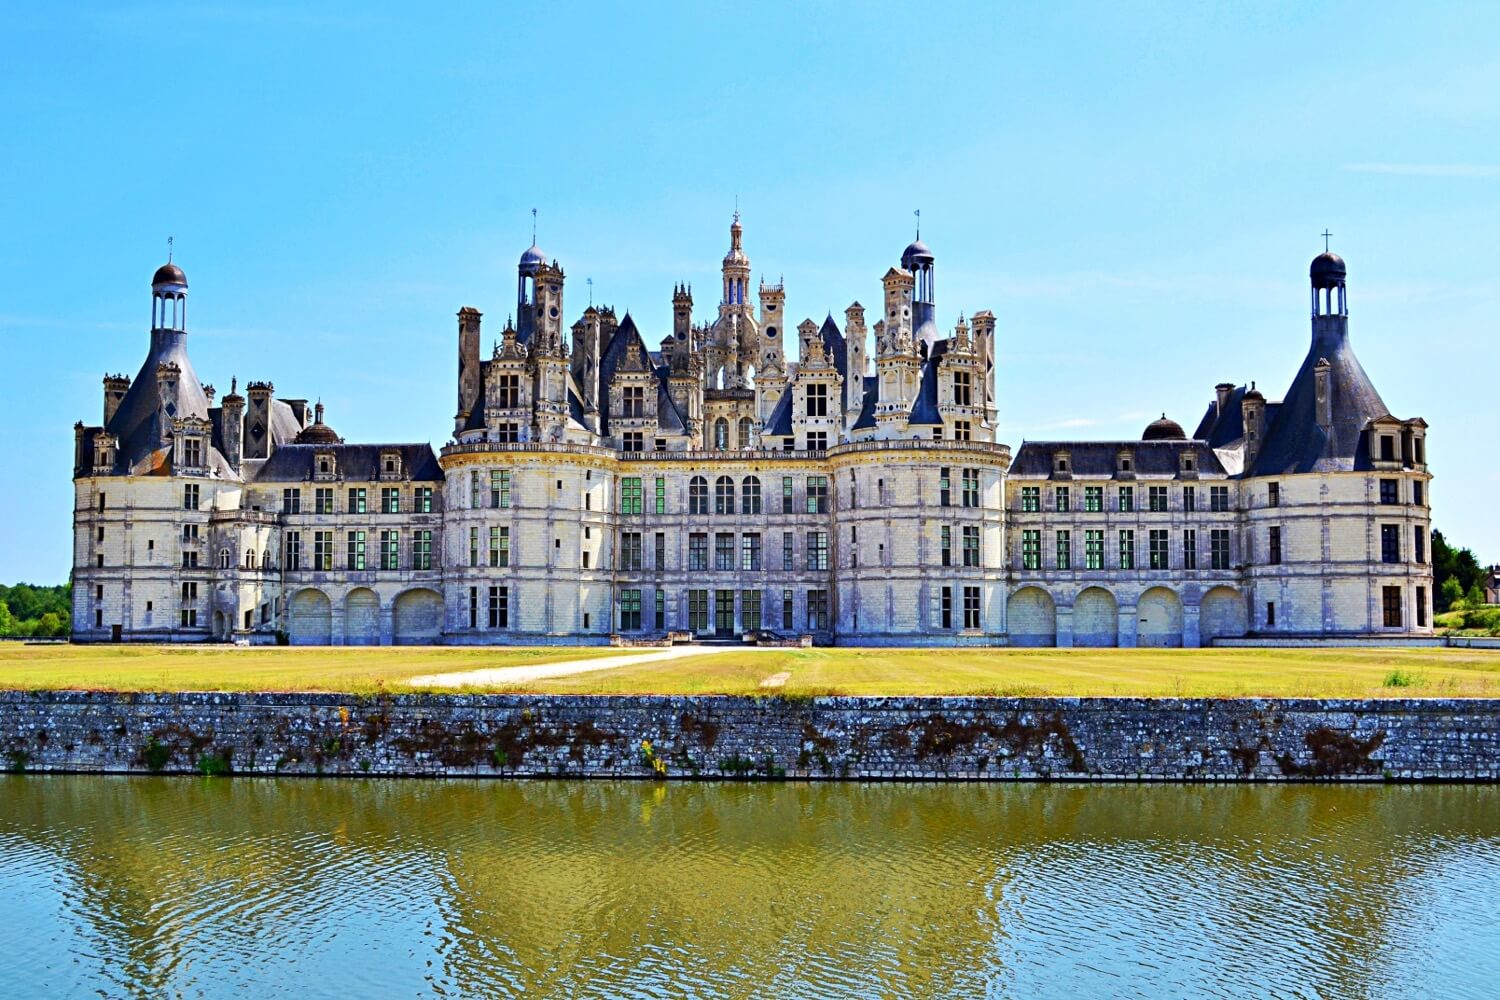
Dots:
{"x": 1323, "y": 398}
{"x": 168, "y": 374}
{"x": 1223, "y": 391}
{"x": 115, "y": 387}
{"x": 232, "y": 424}
{"x": 468, "y": 364}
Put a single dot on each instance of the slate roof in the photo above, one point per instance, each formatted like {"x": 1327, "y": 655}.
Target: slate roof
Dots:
{"x": 867, "y": 407}
{"x": 137, "y": 423}
{"x": 293, "y": 463}
{"x": 1099, "y": 458}
{"x": 924, "y": 410}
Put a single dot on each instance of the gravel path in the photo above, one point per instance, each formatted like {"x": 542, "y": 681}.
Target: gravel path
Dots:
{"x": 563, "y": 668}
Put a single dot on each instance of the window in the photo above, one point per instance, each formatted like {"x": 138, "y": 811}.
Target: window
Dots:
{"x": 635, "y": 403}
{"x": 390, "y": 549}
{"x": 1127, "y": 549}
{"x": 947, "y": 544}
{"x": 1093, "y": 549}
{"x": 1416, "y": 492}
{"x": 510, "y": 392}
{"x": 189, "y": 560}
{"x": 1390, "y": 543}
{"x": 1190, "y": 549}
{"x": 854, "y": 545}
{"x": 499, "y": 487}
{"x": 817, "y": 550}
{"x": 817, "y": 400}
{"x": 1157, "y": 543}
{"x": 661, "y": 606}
{"x": 190, "y": 496}
{"x": 1061, "y": 499}
{"x": 473, "y": 546}
{"x": 422, "y": 499}
{"x": 750, "y": 551}
{"x": 1422, "y": 605}
{"x": 1390, "y": 600}
{"x": 698, "y": 610}
{"x": 1156, "y": 499}
{"x": 971, "y": 607}
{"x": 1031, "y": 499}
{"x": 661, "y": 551}
{"x": 189, "y": 532}
{"x": 322, "y": 550}
{"x": 721, "y": 434}
{"x": 786, "y": 610}
{"x": 945, "y": 608}
{"x": 291, "y": 550}
{"x": 630, "y": 495}
{"x": 817, "y": 610}
{"x": 633, "y": 441}
{"x": 1416, "y": 447}
{"x": 723, "y": 495}
{"x": 632, "y": 557}
{"x": 390, "y": 500}
{"x": 1418, "y": 544}
{"x": 508, "y": 432}
{"x": 473, "y": 607}
{"x": 1388, "y": 491}
{"x": 1189, "y": 499}
{"x": 1273, "y": 497}
{"x": 474, "y": 488}
{"x": 786, "y": 550}
{"x": 971, "y": 545}
{"x": 698, "y": 550}
{"x": 698, "y": 495}
{"x": 192, "y": 451}
{"x": 1270, "y": 614}
{"x": 1218, "y": 498}
{"x": 1127, "y": 499}
{"x": 357, "y": 500}
{"x": 961, "y": 430}
{"x": 421, "y": 549}
{"x": 962, "y": 394}
{"x": 724, "y": 550}
{"x": 661, "y": 494}
{"x": 1031, "y": 549}
{"x": 1387, "y": 450}
{"x": 499, "y": 607}
{"x": 971, "y": 487}
{"x": 817, "y": 440}
{"x": 945, "y": 489}
{"x": 630, "y": 610}
{"x": 786, "y": 494}
{"x": 356, "y": 550}
{"x": 817, "y": 494}
{"x": 1273, "y": 545}
{"x": 750, "y": 495}
{"x": 499, "y": 546}
{"x": 1064, "y": 550}
{"x": 323, "y": 500}
{"x": 750, "y": 610}
{"x": 291, "y": 501}
{"x": 101, "y": 502}
{"x": 1093, "y": 499}
{"x": 1218, "y": 548}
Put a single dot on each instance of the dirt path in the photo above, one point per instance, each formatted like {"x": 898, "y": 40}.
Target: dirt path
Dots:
{"x": 520, "y": 675}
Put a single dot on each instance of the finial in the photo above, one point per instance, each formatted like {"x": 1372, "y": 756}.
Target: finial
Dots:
{"x": 169, "y": 249}
{"x": 918, "y": 214}
{"x": 1325, "y": 235}
{"x": 234, "y": 384}
{"x": 736, "y": 208}
{"x": 533, "y": 227}
{"x": 591, "y": 292}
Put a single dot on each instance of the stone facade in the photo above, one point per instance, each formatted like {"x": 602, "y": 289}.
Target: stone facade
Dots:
{"x": 995, "y": 739}
{"x": 595, "y": 486}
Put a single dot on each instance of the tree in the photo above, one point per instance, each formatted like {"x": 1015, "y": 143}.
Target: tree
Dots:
{"x": 50, "y": 624}
{"x": 1450, "y": 592}
{"x": 1475, "y": 597}
{"x": 7, "y": 621}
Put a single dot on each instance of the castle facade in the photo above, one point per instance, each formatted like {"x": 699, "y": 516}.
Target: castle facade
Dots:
{"x": 597, "y": 486}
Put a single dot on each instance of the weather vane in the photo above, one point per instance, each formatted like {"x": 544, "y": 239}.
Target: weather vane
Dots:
{"x": 533, "y": 227}
{"x": 1326, "y": 234}
{"x": 591, "y": 292}
{"x": 169, "y": 249}
{"x": 918, "y": 214}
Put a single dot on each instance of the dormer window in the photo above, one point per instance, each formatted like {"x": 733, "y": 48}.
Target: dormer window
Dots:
{"x": 1060, "y": 462}
{"x": 192, "y": 452}
{"x": 326, "y": 465}
{"x": 1387, "y": 448}
{"x": 1125, "y": 462}
{"x": 390, "y": 465}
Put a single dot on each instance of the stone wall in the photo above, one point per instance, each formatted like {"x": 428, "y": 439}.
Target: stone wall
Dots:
{"x": 711, "y": 737}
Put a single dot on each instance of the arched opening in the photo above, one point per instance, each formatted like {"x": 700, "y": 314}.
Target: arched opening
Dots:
{"x": 1159, "y": 619}
{"x": 418, "y": 618}
{"x": 746, "y": 433}
{"x": 1096, "y": 619}
{"x": 1221, "y": 615}
{"x": 721, "y": 432}
{"x": 723, "y": 495}
{"x": 750, "y": 495}
{"x": 310, "y": 618}
{"x": 221, "y": 627}
{"x": 362, "y": 618}
{"x": 1031, "y": 616}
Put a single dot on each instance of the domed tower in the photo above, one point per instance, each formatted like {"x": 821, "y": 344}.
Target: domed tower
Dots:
{"x": 1330, "y": 300}
{"x": 532, "y": 262}
{"x": 169, "y": 298}
{"x": 736, "y": 270}
{"x": 918, "y": 259}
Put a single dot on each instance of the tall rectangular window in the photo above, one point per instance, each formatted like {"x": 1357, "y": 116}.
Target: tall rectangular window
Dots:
{"x": 635, "y": 402}
{"x": 1064, "y": 550}
{"x": 971, "y": 607}
{"x": 1416, "y": 492}
{"x": 421, "y": 549}
{"x": 192, "y": 452}
{"x": 495, "y": 531}
{"x": 817, "y": 399}
{"x": 1127, "y": 549}
{"x": 473, "y": 607}
{"x": 1390, "y": 543}
{"x": 698, "y": 551}
{"x": 323, "y": 500}
{"x": 1093, "y": 499}
{"x": 190, "y": 496}
{"x": 499, "y": 487}
{"x": 661, "y": 607}
{"x": 1156, "y": 499}
{"x": 817, "y": 494}
{"x": 698, "y": 610}
{"x": 750, "y": 551}
{"x": 1062, "y": 500}
{"x": 946, "y": 536}
{"x": 786, "y": 494}
{"x": 1218, "y": 548}
{"x": 1273, "y": 494}
{"x": 422, "y": 497}
{"x": 323, "y": 550}
{"x": 817, "y": 550}
{"x": 630, "y": 495}
{"x": 817, "y": 610}
{"x": 1218, "y": 498}
{"x": 291, "y": 501}
{"x": 1158, "y": 548}
{"x": 1388, "y": 491}
{"x": 390, "y": 549}
{"x": 356, "y": 500}
{"x": 971, "y": 487}
{"x": 510, "y": 392}
{"x": 474, "y": 489}
{"x": 390, "y": 500}
{"x": 786, "y": 550}
{"x": 945, "y": 608}
{"x": 750, "y": 495}
{"x": 632, "y": 558}
{"x": 1189, "y": 499}
{"x": 661, "y": 494}
{"x": 1422, "y": 607}
{"x": 1127, "y": 499}
{"x": 1031, "y": 549}
{"x": 660, "y": 562}
{"x": 499, "y": 607}
{"x": 1273, "y": 545}
{"x": 630, "y": 611}
{"x": 945, "y": 488}
{"x": 724, "y": 495}
{"x": 1190, "y": 549}
{"x": 1031, "y": 499}
{"x": 473, "y": 546}
{"x": 1390, "y": 600}
{"x": 724, "y": 550}
{"x": 291, "y": 550}
{"x": 786, "y": 610}
{"x": 356, "y": 550}
{"x": 971, "y": 545}
{"x": 750, "y": 610}
{"x": 1093, "y": 550}
{"x": 1419, "y": 544}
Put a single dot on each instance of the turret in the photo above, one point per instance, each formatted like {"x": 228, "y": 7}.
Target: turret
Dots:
{"x": 468, "y": 364}
{"x": 682, "y": 312}
{"x": 1330, "y": 302}
{"x": 1253, "y": 413}
{"x": 549, "y": 354}
{"x": 736, "y": 270}
{"x": 532, "y": 261}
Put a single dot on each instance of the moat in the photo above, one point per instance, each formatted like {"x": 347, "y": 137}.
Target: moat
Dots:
{"x": 137, "y": 886}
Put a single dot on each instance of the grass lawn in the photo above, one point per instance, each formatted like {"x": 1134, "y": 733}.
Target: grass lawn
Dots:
{"x": 1230, "y": 673}
{"x": 358, "y": 670}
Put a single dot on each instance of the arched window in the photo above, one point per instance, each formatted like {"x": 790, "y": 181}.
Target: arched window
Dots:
{"x": 721, "y": 431}
{"x": 724, "y": 495}
{"x": 698, "y": 495}
{"x": 265, "y": 559}
{"x": 745, "y": 426}
{"x": 750, "y": 495}
{"x": 223, "y": 558}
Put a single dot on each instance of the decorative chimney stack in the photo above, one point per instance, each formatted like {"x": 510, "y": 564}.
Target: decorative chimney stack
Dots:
{"x": 232, "y": 424}
{"x": 468, "y": 365}
{"x": 115, "y": 388}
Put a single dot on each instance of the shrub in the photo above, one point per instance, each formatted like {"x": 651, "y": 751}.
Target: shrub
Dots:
{"x": 156, "y": 754}
{"x": 214, "y": 765}
{"x": 1399, "y": 679}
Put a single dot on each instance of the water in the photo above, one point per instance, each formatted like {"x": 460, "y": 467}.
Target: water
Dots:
{"x": 151, "y": 887}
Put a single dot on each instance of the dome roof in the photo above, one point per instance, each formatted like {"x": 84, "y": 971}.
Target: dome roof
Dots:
{"x": 533, "y": 256}
{"x": 1164, "y": 430}
{"x": 169, "y": 274}
{"x": 318, "y": 432}
{"x": 1327, "y": 270}
{"x": 917, "y": 250}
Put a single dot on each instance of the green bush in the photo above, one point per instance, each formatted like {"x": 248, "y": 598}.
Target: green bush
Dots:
{"x": 156, "y": 754}
{"x": 214, "y": 765}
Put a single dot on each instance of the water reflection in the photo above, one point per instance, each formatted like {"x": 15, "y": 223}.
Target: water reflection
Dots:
{"x": 181, "y": 887}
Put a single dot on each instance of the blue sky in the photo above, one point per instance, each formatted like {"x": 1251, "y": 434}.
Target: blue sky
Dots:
{"x": 1135, "y": 190}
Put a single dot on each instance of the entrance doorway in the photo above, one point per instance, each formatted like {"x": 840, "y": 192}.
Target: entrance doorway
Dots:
{"x": 724, "y": 612}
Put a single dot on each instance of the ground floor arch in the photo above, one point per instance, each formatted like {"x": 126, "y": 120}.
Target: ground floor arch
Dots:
{"x": 1159, "y": 618}
{"x": 362, "y": 618}
{"x": 1096, "y": 620}
{"x": 310, "y": 618}
{"x": 1031, "y": 618}
{"x": 1222, "y": 614}
{"x": 418, "y": 618}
